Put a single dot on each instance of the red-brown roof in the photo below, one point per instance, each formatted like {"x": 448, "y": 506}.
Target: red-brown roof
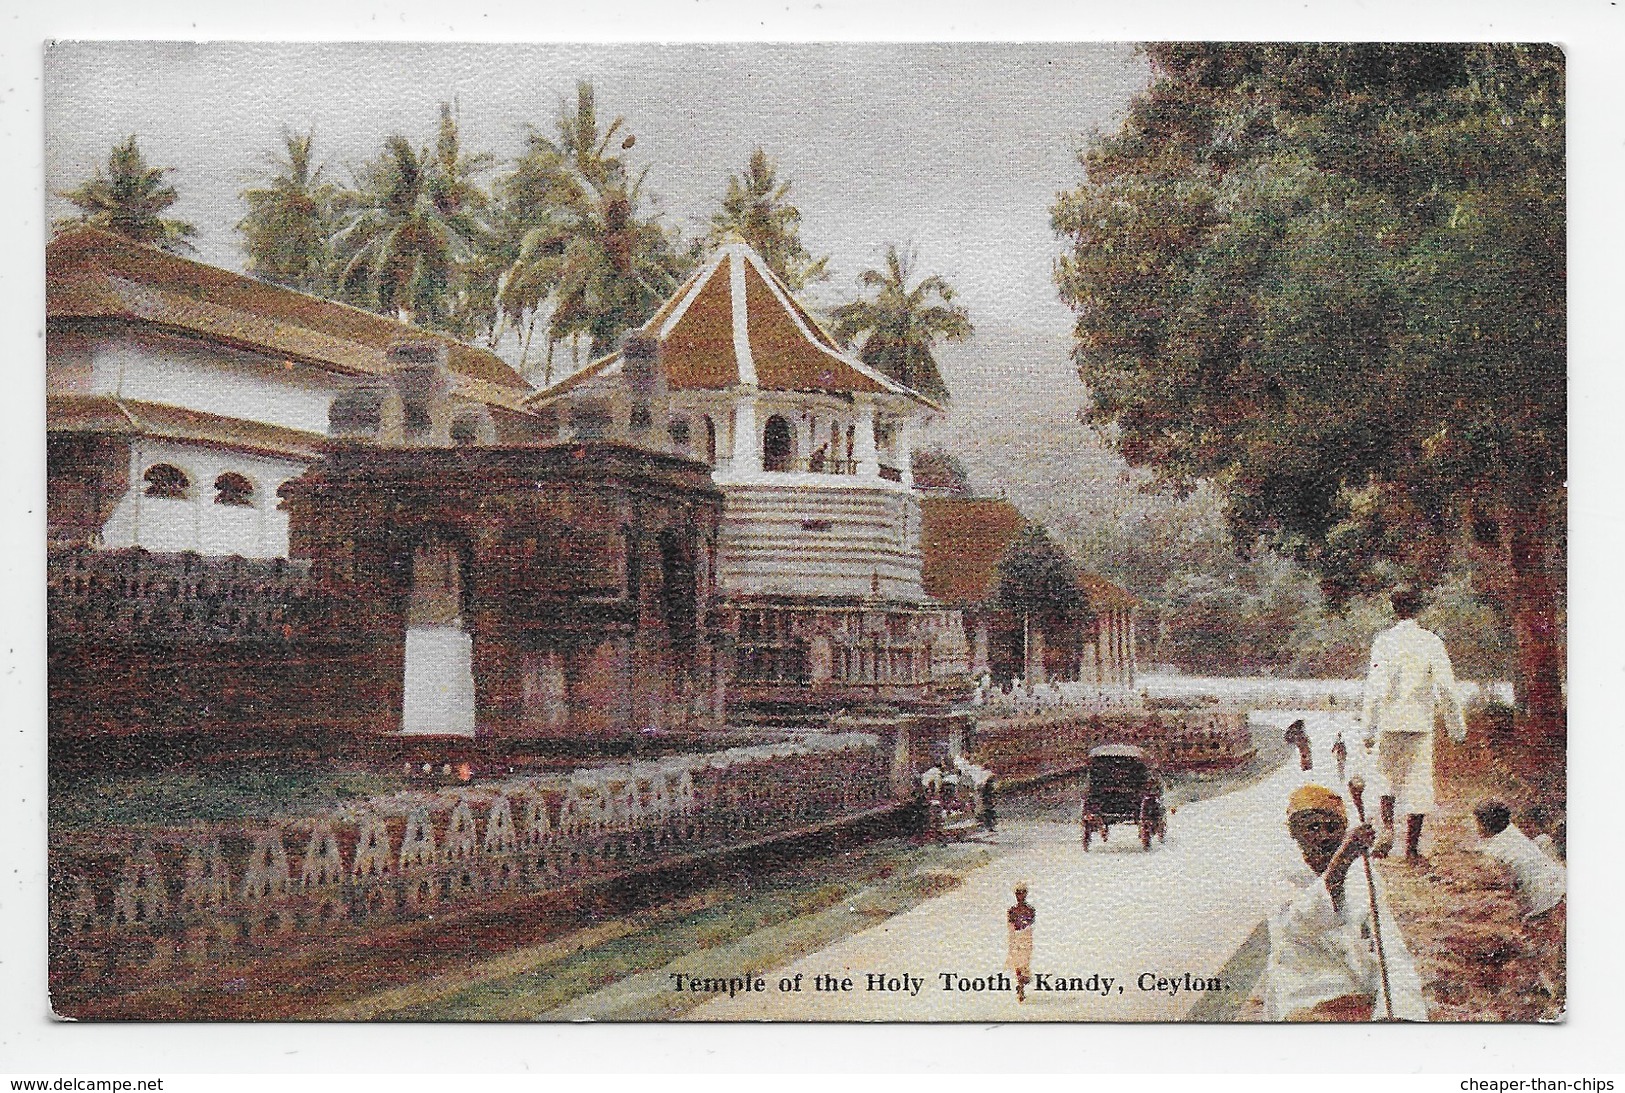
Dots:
{"x": 75, "y": 413}
{"x": 1103, "y": 595}
{"x": 93, "y": 274}
{"x": 734, "y": 322}
{"x": 962, "y": 540}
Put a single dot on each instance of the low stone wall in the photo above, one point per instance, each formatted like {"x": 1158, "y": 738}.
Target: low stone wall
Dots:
{"x": 141, "y": 907}
{"x": 137, "y": 596}
{"x": 1030, "y": 746}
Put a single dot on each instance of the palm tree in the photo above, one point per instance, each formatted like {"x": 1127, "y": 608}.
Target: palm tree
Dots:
{"x": 129, "y": 199}
{"x": 900, "y": 325}
{"x": 291, "y": 220}
{"x": 581, "y": 251}
{"x": 757, "y": 209}
{"x": 415, "y": 220}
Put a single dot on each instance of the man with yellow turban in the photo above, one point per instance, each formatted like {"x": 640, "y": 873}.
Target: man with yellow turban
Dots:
{"x": 1323, "y": 963}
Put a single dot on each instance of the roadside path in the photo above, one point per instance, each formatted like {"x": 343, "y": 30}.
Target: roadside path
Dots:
{"x": 1113, "y": 912}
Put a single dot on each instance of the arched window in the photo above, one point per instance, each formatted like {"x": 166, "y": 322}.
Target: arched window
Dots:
{"x": 164, "y": 480}
{"x": 234, "y": 490}
{"x": 710, "y": 440}
{"x": 778, "y": 445}
{"x": 680, "y": 432}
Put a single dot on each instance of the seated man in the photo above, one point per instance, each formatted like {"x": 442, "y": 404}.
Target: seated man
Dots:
{"x": 1541, "y": 880}
{"x": 1323, "y": 963}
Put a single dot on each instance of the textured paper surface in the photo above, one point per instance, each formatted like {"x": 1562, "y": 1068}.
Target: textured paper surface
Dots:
{"x": 877, "y": 894}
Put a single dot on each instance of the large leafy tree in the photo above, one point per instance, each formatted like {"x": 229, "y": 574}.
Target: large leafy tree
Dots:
{"x": 899, "y": 325}
{"x": 130, "y": 198}
{"x": 292, "y": 218}
{"x": 415, "y": 221}
{"x": 585, "y": 258}
{"x": 757, "y": 208}
{"x": 1035, "y": 577}
{"x": 1330, "y": 280}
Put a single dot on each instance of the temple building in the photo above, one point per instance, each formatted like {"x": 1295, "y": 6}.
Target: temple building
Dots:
{"x": 309, "y": 523}
{"x": 819, "y": 561}
{"x": 964, "y": 540}
{"x": 514, "y": 590}
{"x": 181, "y": 397}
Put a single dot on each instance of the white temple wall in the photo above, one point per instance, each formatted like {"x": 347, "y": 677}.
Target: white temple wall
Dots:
{"x": 820, "y": 536}
{"x": 209, "y": 379}
{"x": 196, "y": 521}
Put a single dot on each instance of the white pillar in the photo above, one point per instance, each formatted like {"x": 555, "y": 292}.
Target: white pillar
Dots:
{"x": 202, "y": 509}
{"x": 747, "y": 456}
{"x": 868, "y": 458}
{"x": 806, "y": 441}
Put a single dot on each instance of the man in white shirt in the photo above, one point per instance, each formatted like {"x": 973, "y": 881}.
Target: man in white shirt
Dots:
{"x": 1541, "y": 880}
{"x": 1409, "y": 686}
{"x": 1323, "y": 963}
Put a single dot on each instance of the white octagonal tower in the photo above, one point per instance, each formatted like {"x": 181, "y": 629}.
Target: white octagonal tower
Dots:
{"x": 819, "y": 555}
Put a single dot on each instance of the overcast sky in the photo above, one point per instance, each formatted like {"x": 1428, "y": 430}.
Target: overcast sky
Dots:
{"x": 955, "y": 150}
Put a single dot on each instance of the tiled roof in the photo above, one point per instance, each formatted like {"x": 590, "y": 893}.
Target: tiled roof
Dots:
{"x": 962, "y": 540}
{"x": 1104, "y": 595}
{"x": 93, "y": 274}
{"x": 130, "y": 417}
{"x": 734, "y": 322}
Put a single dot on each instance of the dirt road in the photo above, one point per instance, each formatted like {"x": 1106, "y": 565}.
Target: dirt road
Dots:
{"x": 1137, "y": 935}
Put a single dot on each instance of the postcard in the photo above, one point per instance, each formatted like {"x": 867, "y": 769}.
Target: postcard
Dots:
{"x": 807, "y": 532}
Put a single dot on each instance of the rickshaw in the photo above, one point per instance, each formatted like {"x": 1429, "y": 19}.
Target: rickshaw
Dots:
{"x": 1122, "y": 787}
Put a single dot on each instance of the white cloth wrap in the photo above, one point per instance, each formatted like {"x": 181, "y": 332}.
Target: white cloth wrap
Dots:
{"x": 1318, "y": 953}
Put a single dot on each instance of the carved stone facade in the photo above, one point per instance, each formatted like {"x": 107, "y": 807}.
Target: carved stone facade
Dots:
{"x": 580, "y": 574}
{"x": 188, "y": 907}
{"x": 791, "y": 653}
{"x": 819, "y": 555}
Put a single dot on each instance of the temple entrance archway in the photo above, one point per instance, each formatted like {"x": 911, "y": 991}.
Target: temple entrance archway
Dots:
{"x": 438, "y": 691}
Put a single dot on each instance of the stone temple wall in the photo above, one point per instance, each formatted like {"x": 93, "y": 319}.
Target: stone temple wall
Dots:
{"x": 181, "y": 644}
{"x": 1036, "y": 744}
{"x": 144, "y": 907}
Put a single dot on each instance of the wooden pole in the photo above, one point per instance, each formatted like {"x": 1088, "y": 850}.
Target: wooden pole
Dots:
{"x": 1371, "y": 891}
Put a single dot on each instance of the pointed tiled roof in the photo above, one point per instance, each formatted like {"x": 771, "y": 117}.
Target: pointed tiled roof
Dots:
{"x": 735, "y": 322}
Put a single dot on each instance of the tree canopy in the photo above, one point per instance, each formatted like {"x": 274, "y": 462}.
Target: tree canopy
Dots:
{"x": 757, "y": 208}
{"x": 1036, "y": 577}
{"x": 899, "y": 325}
{"x": 130, "y": 198}
{"x": 292, "y": 218}
{"x": 1330, "y": 280}
{"x": 585, "y": 252}
{"x": 413, "y": 221}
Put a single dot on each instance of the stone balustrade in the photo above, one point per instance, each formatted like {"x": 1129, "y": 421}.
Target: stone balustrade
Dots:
{"x": 1039, "y": 742}
{"x": 137, "y": 596}
{"x": 159, "y": 904}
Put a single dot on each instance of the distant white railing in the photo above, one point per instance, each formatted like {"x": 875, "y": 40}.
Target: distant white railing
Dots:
{"x": 1169, "y": 691}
